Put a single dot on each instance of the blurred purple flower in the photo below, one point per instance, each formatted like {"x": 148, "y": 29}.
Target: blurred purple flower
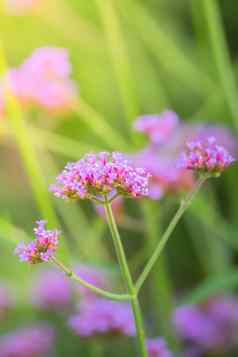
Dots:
{"x": 206, "y": 156}
{"x": 34, "y": 341}
{"x": 212, "y": 325}
{"x": 42, "y": 80}
{"x": 51, "y": 290}
{"x": 157, "y": 347}
{"x": 41, "y": 248}
{"x": 166, "y": 177}
{"x": 158, "y": 127}
{"x": 101, "y": 174}
{"x": 99, "y": 316}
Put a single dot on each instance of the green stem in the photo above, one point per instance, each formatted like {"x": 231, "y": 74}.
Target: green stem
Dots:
{"x": 183, "y": 206}
{"x": 127, "y": 278}
{"x": 106, "y": 294}
{"x": 160, "y": 282}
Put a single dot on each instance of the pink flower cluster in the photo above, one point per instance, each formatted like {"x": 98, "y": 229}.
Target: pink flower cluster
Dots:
{"x": 99, "y": 175}
{"x": 157, "y": 347}
{"x": 157, "y": 127}
{"x": 28, "y": 342}
{"x": 102, "y": 316}
{"x": 205, "y": 157}
{"x": 42, "y": 80}
{"x": 41, "y": 248}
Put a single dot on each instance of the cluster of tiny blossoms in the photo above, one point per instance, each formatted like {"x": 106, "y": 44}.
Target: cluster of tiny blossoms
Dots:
{"x": 205, "y": 157}
{"x": 41, "y": 248}
{"x": 101, "y": 175}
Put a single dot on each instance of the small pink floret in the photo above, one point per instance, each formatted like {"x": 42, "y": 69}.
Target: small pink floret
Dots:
{"x": 41, "y": 248}
{"x": 206, "y": 156}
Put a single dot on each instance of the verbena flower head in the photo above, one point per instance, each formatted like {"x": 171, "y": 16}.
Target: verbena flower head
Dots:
{"x": 212, "y": 325}
{"x": 205, "y": 157}
{"x": 158, "y": 127}
{"x": 41, "y": 248}
{"x": 27, "y": 342}
{"x": 99, "y": 316}
{"x": 51, "y": 290}
{"x": 99, "y": 175}
{"x": 157, "y": 347}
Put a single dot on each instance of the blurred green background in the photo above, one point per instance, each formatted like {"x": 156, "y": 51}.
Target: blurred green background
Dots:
{"x": 128, "y": 58}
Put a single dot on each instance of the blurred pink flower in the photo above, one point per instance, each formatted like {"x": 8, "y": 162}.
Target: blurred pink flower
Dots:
{"x": 99, "y": 316}
{"x": 211, "y": 325}
{"x": 158, "y": 127}
{"x": 157, "y": 347}
{"x": 93, "y": 275}
{"x": 43, "y": 80}
{"x": 166, "y": 177}
{"x": 33, "y": 341}
{"x": 21, "y": 7}
{"x": 51, "y": 290}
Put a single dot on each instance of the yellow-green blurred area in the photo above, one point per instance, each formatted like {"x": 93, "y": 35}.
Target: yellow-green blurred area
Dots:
{"x": 128, "y": 58}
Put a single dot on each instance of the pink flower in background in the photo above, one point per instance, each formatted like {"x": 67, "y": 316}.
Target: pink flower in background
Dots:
{"x": 21, "y": 7}
{"x": 206, "y": 156}
{"x": 157, "y": 347}
{"x": 51, "y": 290}
{"x": 33, "y": 341}
{"x": 99, "y": 316}
{"x": 101, "y": 174}
{"x": 43, "y": 80}
{"x": 95, "y": 276}
{"x": 41, "y": 248}
{"x": 212, "y": 325}
{"x": 158, "y": 127}
{"x": 166, "y": 177}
